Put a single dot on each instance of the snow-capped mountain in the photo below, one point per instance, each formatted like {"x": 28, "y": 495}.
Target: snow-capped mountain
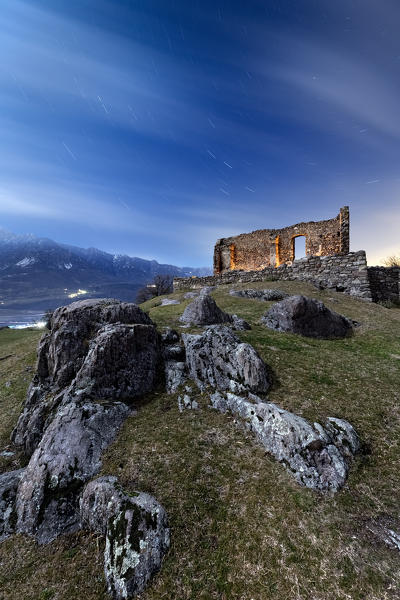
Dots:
{"x": 39, "y": 273}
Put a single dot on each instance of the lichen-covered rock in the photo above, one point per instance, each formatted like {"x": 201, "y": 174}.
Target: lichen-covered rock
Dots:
{"x": 217, "y": 358}
{"x": 137, "y": 534}
{"x": 174, "y": 360}
{"x": 68, "y": 455}
{"x": 175, "y": 375}
{"x": 308, "y": 317}
{"x": 122, "y": 363}
{"x": 8, "y": 491}
{"x": 61, "y": 354}
{"x": 318, "y": 457}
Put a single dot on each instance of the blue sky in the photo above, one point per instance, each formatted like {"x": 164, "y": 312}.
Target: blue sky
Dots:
{"x": 153, "y": 128}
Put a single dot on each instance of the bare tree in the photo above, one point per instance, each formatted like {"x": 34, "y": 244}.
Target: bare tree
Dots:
{"x": 392, "y": 261}
{"x": 161, "y": 284}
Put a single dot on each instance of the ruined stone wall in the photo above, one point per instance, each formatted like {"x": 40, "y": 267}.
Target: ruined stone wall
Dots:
{"x": 384, "y": 283}
{"x": 274, "y": 247}
{"x": 348, "y": 274}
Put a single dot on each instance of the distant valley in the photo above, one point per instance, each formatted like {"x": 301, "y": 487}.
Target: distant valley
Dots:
{"x": 40, "y": 274}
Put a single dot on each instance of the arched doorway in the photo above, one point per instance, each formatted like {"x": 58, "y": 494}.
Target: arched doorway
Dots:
{"x": 299, "y": 246}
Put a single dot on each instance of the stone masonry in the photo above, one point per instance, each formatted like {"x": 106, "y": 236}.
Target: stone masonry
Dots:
{"x": 348, "y": 274}
{"x": 275, "y": 247}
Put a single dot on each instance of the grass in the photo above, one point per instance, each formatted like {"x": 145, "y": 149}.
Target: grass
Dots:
{"x": 241, "y": 527}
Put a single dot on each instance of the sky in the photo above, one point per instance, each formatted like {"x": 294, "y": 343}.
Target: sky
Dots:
{"x": 155, "y": 127}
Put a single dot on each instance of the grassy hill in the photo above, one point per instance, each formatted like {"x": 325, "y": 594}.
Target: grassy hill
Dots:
{"x": 241, "y": 527}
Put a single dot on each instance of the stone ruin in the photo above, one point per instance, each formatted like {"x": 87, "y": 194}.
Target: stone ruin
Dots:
{"x": 270, "y": 254}
{"x": 274, "y": 247}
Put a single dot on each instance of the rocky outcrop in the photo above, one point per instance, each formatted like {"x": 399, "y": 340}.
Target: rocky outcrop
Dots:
{"x": 136, "y": 530}
{"x": 68, "y": 455}
{"x": 204, "y": 311}
{"x": 8, "y": 491}
{"x": 218, "y": 359}
{"x": 308, "y": 317}
{"x": 132, "y": 352}
{"x": 63, "y": 352}
{"x": 97, "y": 353}
{"x": 317, "y": 457}
{"x": 267, "y": 295}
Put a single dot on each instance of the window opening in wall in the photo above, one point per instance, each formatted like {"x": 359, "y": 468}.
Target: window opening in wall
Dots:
{"x": 299, "y": 247}
{"x": 277, "y": 251}
{"x": 232, "y": 251}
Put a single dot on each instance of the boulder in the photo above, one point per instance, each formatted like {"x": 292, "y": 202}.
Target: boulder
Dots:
{"x": 217, "y": 358}
{"x": 71, "y": 349}
{"x": 8, "y": 492}
{"x": 308, "y": 317}
{"x": 204, "y": 311}
{"x": 136, "y": 530}
{"x": 317, "y": 457}
{"x": 273, "y": 294}
{"x": 68, "y": 455}
{"x": 122, "y": 363}
{"x": 267, "y": 295}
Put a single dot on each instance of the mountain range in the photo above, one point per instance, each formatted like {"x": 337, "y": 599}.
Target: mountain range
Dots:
{"x": 39, "y": 273}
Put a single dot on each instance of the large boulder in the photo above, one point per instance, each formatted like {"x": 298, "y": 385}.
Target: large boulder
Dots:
{"x": 317, "y": 457}
{"x": 217, "y": 358}
{"x": 308, "y": 317}
{"x": 73, "y": 349}
{"x": 8, "y": 492}
{"x": 204, "y": 311}
{"x": 68, "y": 455}
{"x": 122, "y": 363}
{"x": 136, "y": 530}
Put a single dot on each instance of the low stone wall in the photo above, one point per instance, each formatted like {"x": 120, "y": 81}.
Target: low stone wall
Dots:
{"x": 345, "y": 273}
{"x": 384, "y": 283}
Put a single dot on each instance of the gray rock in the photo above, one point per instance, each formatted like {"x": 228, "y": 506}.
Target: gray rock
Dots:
{"x": 170, "y": 336}
{"x": 267, "y": 295}
{"x": 239, "y": 324}
{"x": 137, "y": 534}
{"x": 217, "y": 358}
{"x": 8, "y": 491}
{"x": 206, "y": 290}
{"x": 175, "y": 375}
{"x": 204, "y": 311}
{"x": 61, "y": 354}
{"x": 190, "y": 295}
{"x": 308, "y": 317}
{"x": 168, "y": 301}
{"x": 274, "y": 294}
{"x": 317, "y": 457}
{"x": 68, "y": 455}
{"x": 186, "y": 403}
{"x": 122, "y": 363}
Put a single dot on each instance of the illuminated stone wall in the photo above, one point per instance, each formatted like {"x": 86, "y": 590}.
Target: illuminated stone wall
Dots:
{"x": 275, "y": 247}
